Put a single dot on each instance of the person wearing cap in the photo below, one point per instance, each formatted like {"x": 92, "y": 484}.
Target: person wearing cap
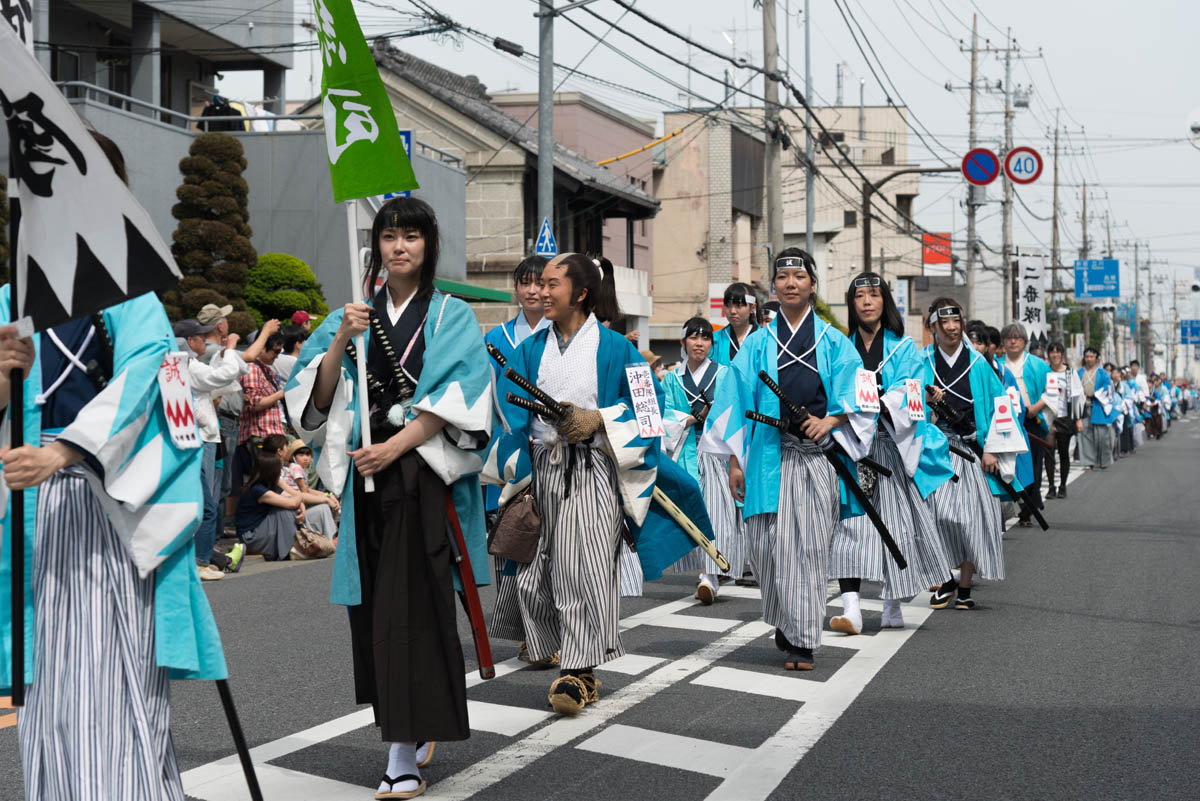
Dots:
{"x": 688, "y": 394}
{"x": 302, "y": 319}
{"x": 905, "y": 442}
{"x": 1095, "y": 425}
{"x": 217, "y": 317}
{"x": 741, "y": 310}
{"x": 967, "y": 511}
{"x": 209, "y": 380}
{"x": 791, "y": 496}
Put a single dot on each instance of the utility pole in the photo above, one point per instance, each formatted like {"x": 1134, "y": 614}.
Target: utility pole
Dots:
{"x": 771, "y": 117}
{"x": 1083, "y": 254}
{"x": 1006, "y": 206}
{"x": 971, "y": 140}
{"x": 1108, "y": 236}
{"x": 810, "y": 201}
{"x": 1055, "y": 284}
{"x": 545, "y": 188}
{"x": 1137, "y": 307}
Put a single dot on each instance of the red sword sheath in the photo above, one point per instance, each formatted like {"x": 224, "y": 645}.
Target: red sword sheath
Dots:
{"x": 470, "y": 593}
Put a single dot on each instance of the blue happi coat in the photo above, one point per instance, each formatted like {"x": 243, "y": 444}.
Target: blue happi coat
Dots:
{"x": 931, "y": 467}
{"x": 639, "y": 463}
{"x": 985, "y": 388}
{"x": 149, "y": 488}
{"x": 678, "y": 407}
{"x": 455, "y": 384}
{"x": 1024, "y": 460}
{"x": 1103, "y": 397}
{"x": 721, "y": 344}
{"x": 757, "y": 446}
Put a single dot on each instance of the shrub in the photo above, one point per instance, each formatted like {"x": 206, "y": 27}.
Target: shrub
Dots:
{"x": 280, "y": 284}
{"x": 212, "y": 241}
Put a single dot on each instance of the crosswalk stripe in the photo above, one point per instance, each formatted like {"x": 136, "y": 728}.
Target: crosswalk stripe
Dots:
{"x": 672, "y": 750}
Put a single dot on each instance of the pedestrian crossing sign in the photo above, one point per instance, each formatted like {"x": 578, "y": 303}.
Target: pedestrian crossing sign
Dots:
{"x": 546, "y": 246}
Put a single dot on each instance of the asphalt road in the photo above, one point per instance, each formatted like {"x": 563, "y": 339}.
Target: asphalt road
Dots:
{"x": 1076, "y": 678}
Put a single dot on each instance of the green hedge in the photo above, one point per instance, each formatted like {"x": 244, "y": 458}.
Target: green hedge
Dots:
{"x": 280, "y": 284}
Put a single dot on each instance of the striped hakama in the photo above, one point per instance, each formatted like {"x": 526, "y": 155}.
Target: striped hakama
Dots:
{"x": 968, "y": 517}
{"x": 1095, "y": 445}
{"x": 630, "y": 571}
{"x": 96, "y": 724}
{"x": 726, "y": 519}
{"x": 506, "y": 616}
{"x": 568, "y": 594}
{"x": 790, "y": 550}
{"x": 858, "y": 552}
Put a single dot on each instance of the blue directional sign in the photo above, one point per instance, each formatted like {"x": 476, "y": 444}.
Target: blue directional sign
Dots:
{"x": 1189, "y": 332}
{"x": 546, "y": 244}
{"x": 1097, "y": 278}
{"x": 406, "y": 138}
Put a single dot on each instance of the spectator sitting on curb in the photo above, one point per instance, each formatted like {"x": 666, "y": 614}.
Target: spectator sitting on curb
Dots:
{"x": 319, "y": 508}
{"x": 262, "y": 403}
{"x": 266, "y": 514}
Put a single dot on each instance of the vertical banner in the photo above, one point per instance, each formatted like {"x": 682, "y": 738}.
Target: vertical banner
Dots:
{"x": 366, "y": 153}
{"x": 19, "y": 14}
{"x": 1031, "y": 297}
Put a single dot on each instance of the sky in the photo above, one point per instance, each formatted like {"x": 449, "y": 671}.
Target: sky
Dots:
{"x": 1114, "y": 75}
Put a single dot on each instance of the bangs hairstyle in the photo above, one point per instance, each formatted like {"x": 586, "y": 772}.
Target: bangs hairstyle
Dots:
{"x": 940, "y": 303}
{"x": 405, "y": 214}
{"x": 891, "y": 319}
{"x": 810, "y": 264}
{"x": 267, "y": 468}
{"x": 596, "y": 276}
{"x": 530, "y": 269}
{"x": 1058, "y": 347}
{"x": 697, "y": 325}
{"x": 736, "y": 293}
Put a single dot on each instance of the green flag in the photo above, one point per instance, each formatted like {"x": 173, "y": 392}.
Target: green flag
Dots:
{"x": 366, "y": 154}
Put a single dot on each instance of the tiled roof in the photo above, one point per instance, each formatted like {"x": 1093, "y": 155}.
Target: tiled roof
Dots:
{"x": 466, "y": 95}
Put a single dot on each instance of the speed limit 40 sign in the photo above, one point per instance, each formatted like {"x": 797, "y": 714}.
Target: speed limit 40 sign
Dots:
{"x": 1023, "y": 165}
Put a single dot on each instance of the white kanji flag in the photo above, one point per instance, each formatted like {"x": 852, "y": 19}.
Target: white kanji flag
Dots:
{"x": 83, "y": 243}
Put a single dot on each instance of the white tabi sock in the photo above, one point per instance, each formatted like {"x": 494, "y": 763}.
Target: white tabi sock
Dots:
{"x": 713, "y": 580}
{"x": 893, "y": 617}
{"x": 851, "y": 610}
{"x": 402, "y": 759}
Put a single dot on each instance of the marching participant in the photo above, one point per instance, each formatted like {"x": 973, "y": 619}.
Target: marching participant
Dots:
{"x": 741, "y": 310}
{"x": 916, "y": 453}
{"x": 689, "y": 391}
{"x": 114, "y": 604}
{"x": 1060, "y": 391}
{"x": 590, "y": 471}
{"x": 967, "y": 511}
{"x": 527, "y": 280}
{"x": 793, "y": 498}
{"x": 1099, "y": 413}
{"x": 430, "y": 410}
{"x": 1029, "y": 377}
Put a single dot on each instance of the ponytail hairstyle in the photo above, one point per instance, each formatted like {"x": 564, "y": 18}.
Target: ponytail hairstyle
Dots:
{"x": 405, "y": 214}
{"x": 891, "y": 319}
{"x": 596, "y": 276}
{"x": 267, "y": 468}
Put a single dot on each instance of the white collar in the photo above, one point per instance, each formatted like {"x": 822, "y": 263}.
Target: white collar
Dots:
{"x": 698, "y": 373}
{"x": 784, "y": 320}
{"x": 1015, "y": 366}
{"x": 951, "y": 358}
{"x": 393, "y": 312}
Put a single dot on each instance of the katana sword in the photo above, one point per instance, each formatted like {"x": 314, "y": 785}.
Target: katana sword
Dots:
{"x": 831, "y": 450}
{"x": 470, "y": 593}
{"x": 551, "y": 409}
{"x": 958, "y": 422}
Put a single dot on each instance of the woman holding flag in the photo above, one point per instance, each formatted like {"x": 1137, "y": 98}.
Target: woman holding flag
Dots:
{"x": 915, "y": 451}
{"x": 430, "y": 410}
{"x": 792, "y": 497}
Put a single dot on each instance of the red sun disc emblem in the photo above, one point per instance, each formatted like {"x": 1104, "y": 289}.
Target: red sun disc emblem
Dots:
{"x": 1003, "y": 410}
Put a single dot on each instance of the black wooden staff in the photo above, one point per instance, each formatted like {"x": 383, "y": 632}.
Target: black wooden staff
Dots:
{"x": 832, "y": 452}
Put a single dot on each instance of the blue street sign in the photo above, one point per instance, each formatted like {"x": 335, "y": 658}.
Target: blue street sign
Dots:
{"x": 981, "y": 166}
{"x": 546, "y": 245}
{"x": 1189, "y": 332}
{"x": 406, "y": 138}
{"x": 1097, "y": 278}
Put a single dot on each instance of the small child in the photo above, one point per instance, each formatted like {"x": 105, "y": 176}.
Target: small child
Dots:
{"x": 266, "y": 514}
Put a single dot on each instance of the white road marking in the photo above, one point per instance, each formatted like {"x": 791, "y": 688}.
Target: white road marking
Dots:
{"x": 672, "y": 750}
{"x": 789, "y": 688}
{"x": 693, "y": 622}
{"x": 504, "y": 719}
{"x": 631, "y": 664}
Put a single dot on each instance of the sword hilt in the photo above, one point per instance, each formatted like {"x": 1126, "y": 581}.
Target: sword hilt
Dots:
{"x": 557, "y": 410}
{"x": 531, "y": 406}
{"x": 495, "y": 353}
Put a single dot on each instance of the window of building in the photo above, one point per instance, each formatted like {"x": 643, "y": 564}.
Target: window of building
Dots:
{"x": 888, "y": 156}
{"x": 827, "y": 139}
{"x": 904, "y": 203}
{"x": 849, "y": 219}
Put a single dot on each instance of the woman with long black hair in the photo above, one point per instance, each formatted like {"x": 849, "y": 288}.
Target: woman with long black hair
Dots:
{"x": 430, "y": 411}
{"x": 916, "y": 453}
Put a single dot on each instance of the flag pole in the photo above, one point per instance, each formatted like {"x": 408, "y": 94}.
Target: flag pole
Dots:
{"x": 360, "y": 355}
{"x": 16, "y": 416}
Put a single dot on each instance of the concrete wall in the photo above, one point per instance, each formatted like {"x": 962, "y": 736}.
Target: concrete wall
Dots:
{"x": 291, "y": 202}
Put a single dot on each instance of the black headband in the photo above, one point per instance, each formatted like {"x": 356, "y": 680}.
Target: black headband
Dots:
{"x": 944, "y": 311}
{"x": 867, "y": 280}
{"x": 792, "y": 263}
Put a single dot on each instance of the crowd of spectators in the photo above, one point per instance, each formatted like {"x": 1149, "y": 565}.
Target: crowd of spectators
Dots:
{"x": 261, "y": 494}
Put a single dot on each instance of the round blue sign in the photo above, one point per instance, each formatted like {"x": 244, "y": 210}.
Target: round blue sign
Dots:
{"x": 981, "y": 166}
